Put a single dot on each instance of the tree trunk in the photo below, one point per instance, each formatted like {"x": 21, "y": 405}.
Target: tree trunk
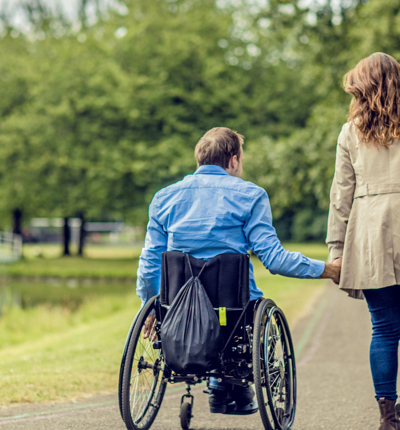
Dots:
{"x": 82, "y": 234}
{"x": 66, "y": 236}
{"x": 17, "y": 221}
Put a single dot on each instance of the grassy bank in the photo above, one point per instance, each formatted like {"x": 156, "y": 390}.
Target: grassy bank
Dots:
{"x": 102, "y": 261}
{"x": 79, "y": 360}
{"x": 74, "y": 267}
{"x": 67, "y": 342}
{"x": 54, "y": 251}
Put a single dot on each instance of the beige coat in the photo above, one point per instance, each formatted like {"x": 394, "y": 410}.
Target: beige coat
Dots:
{"x": 364, "y": 214}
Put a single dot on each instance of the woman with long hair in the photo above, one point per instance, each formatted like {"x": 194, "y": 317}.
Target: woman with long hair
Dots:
{"x": 364, "y": 215}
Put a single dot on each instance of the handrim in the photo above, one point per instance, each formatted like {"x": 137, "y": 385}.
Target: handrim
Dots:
{"x": 143, "y": 384}
{"x": 274, "y": 367}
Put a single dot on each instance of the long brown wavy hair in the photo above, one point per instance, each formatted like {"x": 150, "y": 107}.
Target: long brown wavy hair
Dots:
{"x": 375, "y": 108}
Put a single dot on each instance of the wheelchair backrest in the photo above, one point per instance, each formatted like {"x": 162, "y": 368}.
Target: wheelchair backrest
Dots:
{"x": 225, "y": 278}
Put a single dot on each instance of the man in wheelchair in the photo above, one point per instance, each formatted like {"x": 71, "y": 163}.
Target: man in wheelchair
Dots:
{"x": 214, "y": 212}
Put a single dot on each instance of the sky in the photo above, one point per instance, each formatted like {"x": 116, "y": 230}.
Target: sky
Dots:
{"x": 69, "y": 8}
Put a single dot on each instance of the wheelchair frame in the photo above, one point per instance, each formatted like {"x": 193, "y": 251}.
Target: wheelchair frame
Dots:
{"x": 259, "y": 353}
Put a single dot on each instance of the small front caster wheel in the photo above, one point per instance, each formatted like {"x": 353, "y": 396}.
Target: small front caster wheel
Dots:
{"x": 186, "y": 415}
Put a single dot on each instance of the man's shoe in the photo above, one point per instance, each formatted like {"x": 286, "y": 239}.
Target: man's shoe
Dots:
{"x": 218, "y": 401}
{"x": 242, "y": 395}
{"x": 250, "y": 408}
{"x": 243, "y": 401}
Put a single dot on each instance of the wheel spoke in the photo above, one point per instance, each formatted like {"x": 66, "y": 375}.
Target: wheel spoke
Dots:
{"x": 143, "y": 386}
{"x": 274, "y": 369}
{"x": 134, "y": 390}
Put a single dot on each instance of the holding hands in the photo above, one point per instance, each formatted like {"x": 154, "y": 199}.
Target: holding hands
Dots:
{"x": 332, "y": 270}
{"x": 337, "y": 261}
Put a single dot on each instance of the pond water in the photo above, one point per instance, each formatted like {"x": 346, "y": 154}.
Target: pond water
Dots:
{"x": 65, "y": 293}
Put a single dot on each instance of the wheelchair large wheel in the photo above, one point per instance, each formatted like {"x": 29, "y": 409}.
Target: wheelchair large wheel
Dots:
{"x": 143, "y": 385}
{"x": 274, "y": 367}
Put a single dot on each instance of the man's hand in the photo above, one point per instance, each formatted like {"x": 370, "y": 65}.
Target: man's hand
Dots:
{"x": 148, "y": 328}
{"x": 332, "y": 271}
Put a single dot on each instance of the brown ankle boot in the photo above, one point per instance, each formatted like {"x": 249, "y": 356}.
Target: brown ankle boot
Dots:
{"x": 389, "y": 419}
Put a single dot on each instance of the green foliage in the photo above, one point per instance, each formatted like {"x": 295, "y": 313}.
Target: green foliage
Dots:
{"x": 110, "y": 120}
{"x": 97, "y": 117}
{"x": 319, "y": 45}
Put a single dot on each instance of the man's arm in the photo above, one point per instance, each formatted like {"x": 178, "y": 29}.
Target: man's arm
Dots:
{"x": 149, "y": 271}
{"x": 265, "y": 244}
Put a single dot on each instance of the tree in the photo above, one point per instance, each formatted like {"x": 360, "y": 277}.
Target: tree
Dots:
{"x": 98, "y": 116}
{"x": 20, "y": 190}
{"x": 316, "y": 44}
{"x": 117, "y": 118}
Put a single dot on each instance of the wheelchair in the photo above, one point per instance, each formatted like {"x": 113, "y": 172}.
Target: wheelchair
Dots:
{"x": 258, "y": 346}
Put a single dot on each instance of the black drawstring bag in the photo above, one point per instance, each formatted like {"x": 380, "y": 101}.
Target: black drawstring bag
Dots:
{"x": 190, "y": 333}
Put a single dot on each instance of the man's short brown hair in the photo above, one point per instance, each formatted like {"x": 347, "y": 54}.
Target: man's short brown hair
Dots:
{"x": 218, "y": 146}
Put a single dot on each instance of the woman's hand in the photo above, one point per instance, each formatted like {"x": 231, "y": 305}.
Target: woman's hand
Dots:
{"x": 337, "y": 262}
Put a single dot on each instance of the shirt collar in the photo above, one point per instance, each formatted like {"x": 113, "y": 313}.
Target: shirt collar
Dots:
{"x": 210, "y": 169}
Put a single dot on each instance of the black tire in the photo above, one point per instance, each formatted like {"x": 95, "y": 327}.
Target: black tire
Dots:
{"x": 274, "y": 367}
{"x": 123, "y": 360}
{"x": 143, "y": 385}
{"x": 186, "y": 415}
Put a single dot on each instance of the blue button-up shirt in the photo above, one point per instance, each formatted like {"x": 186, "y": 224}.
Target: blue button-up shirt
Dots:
{"x": 210, "y": 213}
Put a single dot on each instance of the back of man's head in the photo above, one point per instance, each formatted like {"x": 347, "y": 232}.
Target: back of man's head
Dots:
{"x": 218, "y": 146}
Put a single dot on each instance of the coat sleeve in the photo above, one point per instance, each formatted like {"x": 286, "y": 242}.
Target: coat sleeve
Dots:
{"x": 341, "y": 197}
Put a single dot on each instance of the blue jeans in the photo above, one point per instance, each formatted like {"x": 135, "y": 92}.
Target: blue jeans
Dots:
{"x": 384, "y": 306}
{"x": 215, "y": 385}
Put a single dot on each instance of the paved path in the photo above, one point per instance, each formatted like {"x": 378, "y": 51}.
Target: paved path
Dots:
{"x": 334, "y": 384}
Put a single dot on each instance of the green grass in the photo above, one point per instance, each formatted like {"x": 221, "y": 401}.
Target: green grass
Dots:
{"x": 72, "y": 363}
{"x": 74, "y": 267}
{"x": 50, "y": 250}
{"x": 59, "y": 310}
{"x": 68, "y": 343}
{"x": 102, "y": 261}
{"x": 318, "y": 251}
{"x": 291, "y": 295}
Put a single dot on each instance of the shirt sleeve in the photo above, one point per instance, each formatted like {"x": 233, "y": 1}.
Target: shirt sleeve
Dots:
{"x": 341, "y": 197}
{"x": 149, "y": 271}
{"x": 265, "y": 244}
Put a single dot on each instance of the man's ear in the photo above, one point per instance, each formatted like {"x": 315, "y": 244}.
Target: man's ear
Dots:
{"x": 233, "y": 162}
